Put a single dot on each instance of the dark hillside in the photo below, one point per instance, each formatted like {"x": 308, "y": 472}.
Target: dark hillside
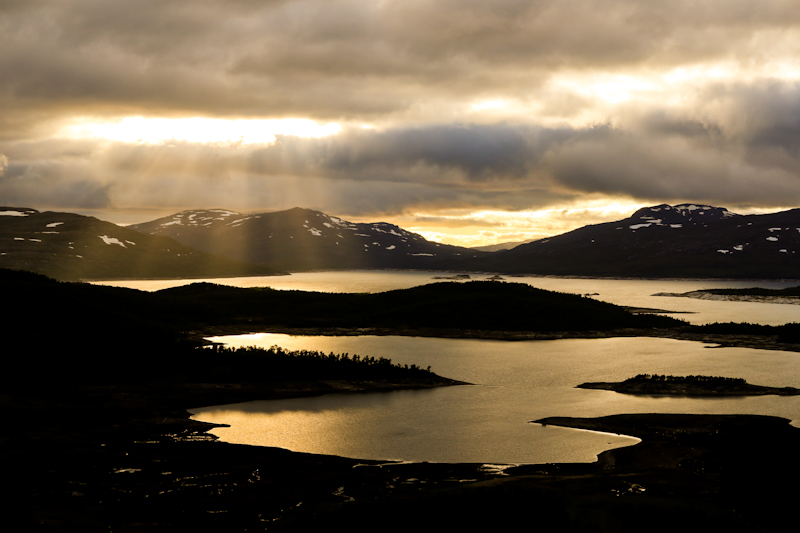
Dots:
{"x": 476, "y": 305}
{"x": 303, "y": 239}
{"x": 683, "y": 241}
{"x": 67, "y": 246}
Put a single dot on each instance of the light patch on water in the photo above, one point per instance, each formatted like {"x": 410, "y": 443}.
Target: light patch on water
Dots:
{"x": 489, "y": 422}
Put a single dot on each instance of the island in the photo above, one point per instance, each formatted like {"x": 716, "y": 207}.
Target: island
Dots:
{"x": 650, "y": 384}
{"x": 789, "y": 295}
{"x": 97, "y": 381}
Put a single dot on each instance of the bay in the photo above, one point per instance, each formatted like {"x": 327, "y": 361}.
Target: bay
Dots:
{"x": 514, "y": 382}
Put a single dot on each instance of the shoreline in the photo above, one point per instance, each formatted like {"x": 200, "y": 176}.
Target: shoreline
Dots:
{"x": 688, "y": 389}
{"x": 146, "y": 465}
{"x": 471, "y": 272}
{"x": 708, "y": 295}
{"x": 762, "y": 342}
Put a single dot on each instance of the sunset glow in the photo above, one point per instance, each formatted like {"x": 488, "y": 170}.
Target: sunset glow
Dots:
{"x": 470, "y": 122}
{"x": 196, "y": 130}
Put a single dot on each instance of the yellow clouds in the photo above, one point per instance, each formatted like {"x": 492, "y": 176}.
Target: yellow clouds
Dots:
{"x": 195, "y": 130}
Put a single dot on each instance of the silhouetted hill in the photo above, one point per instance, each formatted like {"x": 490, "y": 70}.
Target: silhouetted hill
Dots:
{"x": 92, "y": 332}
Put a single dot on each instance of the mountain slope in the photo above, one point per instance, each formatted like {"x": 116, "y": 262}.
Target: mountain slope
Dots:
{"x": 67, "y": 246}
{"x": 303, "y": 239}
{"x": 682, "y": 241}
{"x": 501, "y": 246}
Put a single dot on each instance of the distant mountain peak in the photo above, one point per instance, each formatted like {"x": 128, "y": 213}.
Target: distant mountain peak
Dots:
{"x": 302, "y": 239}
{"x": 72, "y": 246}
{"x": 202, "y": 217}
{"x": 674, "y": 215}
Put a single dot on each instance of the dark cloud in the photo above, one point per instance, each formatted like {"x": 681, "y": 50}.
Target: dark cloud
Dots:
{"x": 475, "y": 153}
{"x": 659, "y": 157}
{"x": 51, "y": 186}
{"x": 412, "y": 70}
{"x": 349, "y": 58}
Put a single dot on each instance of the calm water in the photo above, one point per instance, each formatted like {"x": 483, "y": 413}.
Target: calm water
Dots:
{"x": 515, "y": 382}
{"x": 637, "y": 293}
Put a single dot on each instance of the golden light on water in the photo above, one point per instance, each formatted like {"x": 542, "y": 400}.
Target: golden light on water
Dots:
{"x": 148, "y": 130}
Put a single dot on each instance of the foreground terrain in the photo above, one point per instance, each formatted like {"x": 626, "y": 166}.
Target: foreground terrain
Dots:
{"x": 96, "y": 436}
{"x": 128, "y": 459}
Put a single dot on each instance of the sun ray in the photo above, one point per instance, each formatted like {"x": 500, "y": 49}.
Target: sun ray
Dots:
{"x": 149, "y": 130}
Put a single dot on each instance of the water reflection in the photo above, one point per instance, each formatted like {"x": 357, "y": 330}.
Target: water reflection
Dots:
{"x": 516, "y": 382}
{"x": 442, "y": 426}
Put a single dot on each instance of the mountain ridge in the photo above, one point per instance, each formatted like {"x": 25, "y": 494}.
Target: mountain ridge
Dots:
{"x": 68, "y": 246}
{"x": 303, "y": 239}
{"x": 662, "y": 241}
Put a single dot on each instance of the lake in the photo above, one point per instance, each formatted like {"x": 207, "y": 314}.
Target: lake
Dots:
{"x": 515, "y": 382}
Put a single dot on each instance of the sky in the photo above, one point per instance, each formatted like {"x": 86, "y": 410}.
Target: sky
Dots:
{"x": 470, "y": 122}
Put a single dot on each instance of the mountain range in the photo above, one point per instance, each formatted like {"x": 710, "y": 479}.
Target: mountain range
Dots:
{"x": 67, "y": 246}
{"x": 662, "y": 241}
{"x": 302, "y": 239}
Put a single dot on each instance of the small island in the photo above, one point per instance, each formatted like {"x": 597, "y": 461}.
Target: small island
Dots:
{"x": 789, "y": 295}
{"x": 689, "y": 386}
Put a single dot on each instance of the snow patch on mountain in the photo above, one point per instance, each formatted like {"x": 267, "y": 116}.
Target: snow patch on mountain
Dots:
{"x": 112, "y": 240}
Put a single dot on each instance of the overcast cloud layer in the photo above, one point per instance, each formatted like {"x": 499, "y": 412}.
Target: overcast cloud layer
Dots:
{"x": 443, "y": 105}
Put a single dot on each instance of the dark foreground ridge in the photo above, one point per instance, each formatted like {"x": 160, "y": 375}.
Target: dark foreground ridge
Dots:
{"x": 689, "y": 386}
{"x": 99, "y": 451}
{"x": 96, "y": 437}
{"x": 128, "y": 459}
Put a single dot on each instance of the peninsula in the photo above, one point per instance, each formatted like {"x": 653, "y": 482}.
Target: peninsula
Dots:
{"x": 789, "y": 295}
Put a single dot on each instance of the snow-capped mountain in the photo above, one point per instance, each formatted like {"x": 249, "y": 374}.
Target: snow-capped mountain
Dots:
{"x": 680, "y": 241}
{"x": 303, "y": 239}
{"x": 68, "y": 246}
